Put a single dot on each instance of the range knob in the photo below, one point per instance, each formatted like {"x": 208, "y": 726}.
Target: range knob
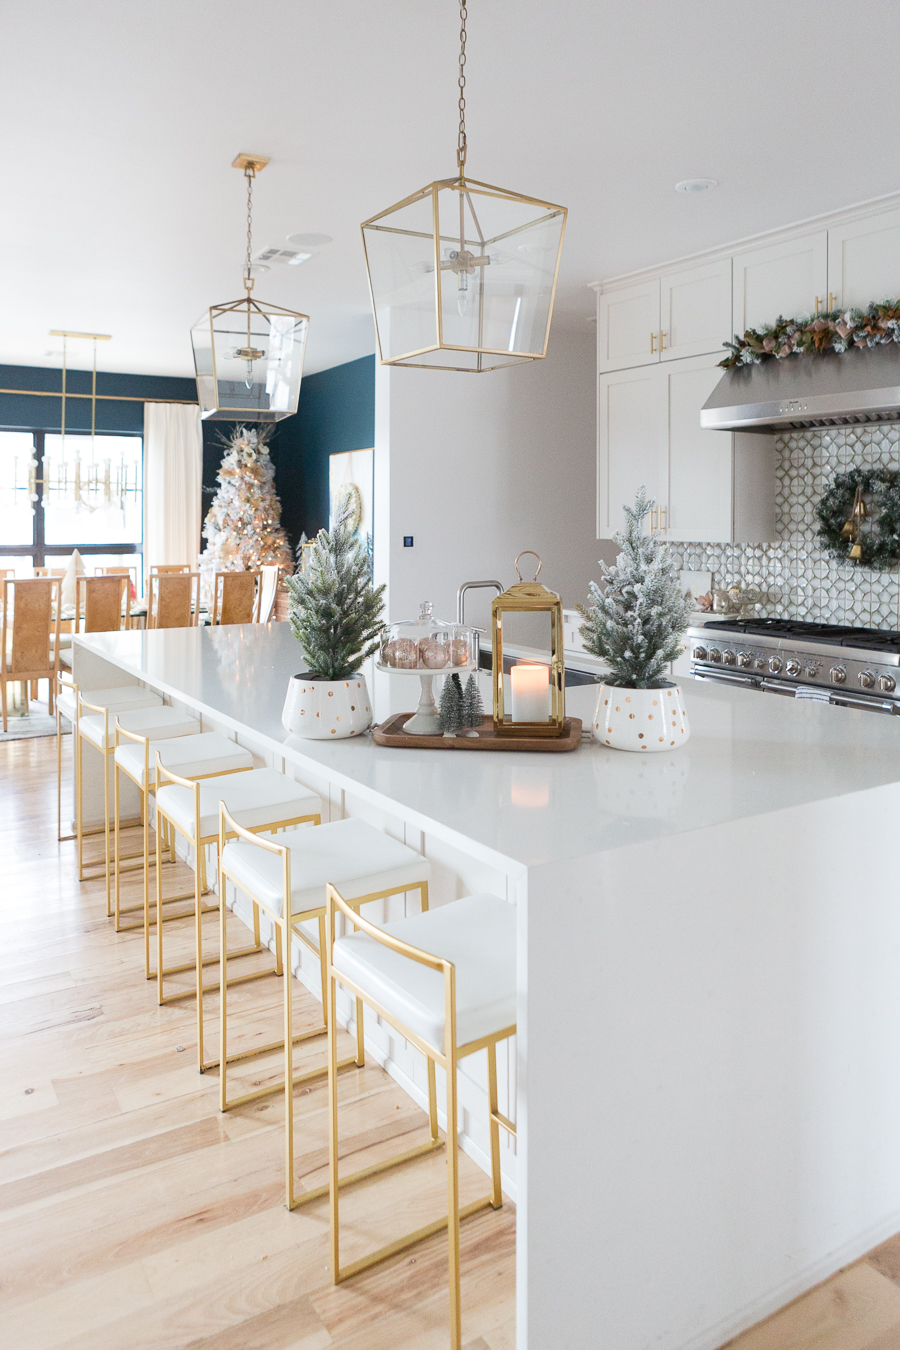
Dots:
{"x": 866, "y": 679}
{"x": 775, "y": 664}
{"x": 811, "y": 672}
{"x": 728, "y": 658}
{"x": 838, "y": 674}
{"x": 699, "y": 653}
{"x": 793, "y": 667}
{"x": 744, "y": 660}
{"x": 887, "y": 684}
{"x": 715, "y": 655}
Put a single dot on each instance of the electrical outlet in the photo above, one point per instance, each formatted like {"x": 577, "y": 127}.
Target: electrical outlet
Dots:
{"x": 407, "y": 541}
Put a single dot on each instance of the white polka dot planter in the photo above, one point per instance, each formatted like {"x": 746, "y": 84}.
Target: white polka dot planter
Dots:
{"x": 325, "y": 710}
{"x": 641, "y": 719}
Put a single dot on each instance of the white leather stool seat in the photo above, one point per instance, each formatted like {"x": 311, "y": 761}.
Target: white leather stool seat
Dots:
{"x": 351, "y": 854}
{"x": 208, "y": 752}
{"x": 124, "y": 696}
{"x": 478, "y": 934}
{"x": 158, "y": 722}
{"x": 257, "y": 798}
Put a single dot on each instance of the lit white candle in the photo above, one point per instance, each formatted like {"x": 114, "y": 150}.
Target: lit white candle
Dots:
{"x": 530, "y": 686}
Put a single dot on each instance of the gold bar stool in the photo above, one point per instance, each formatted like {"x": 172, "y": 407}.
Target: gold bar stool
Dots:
{"x": 122, "y": 697}
{"x": 157, "y": 720}
{"x": 446, "y": 980}
{"x": 260, "y": 800}
{"x": 369, "y": 866}
{"x": 194, "y": 755}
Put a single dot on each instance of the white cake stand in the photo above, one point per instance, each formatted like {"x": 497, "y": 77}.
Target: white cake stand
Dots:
{"x": 426, "y": 721}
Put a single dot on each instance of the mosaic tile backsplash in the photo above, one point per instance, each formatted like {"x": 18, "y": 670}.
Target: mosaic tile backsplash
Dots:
{"x": 797, "y": 578}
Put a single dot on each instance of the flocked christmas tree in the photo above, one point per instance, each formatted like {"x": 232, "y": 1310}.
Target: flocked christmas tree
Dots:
{"x": 637, "y": 620}
{"x": 335, "y": 612}
{"x": 452, "y": 709}
{"x": 243, "y": 525}
{"x": 473, "y": 707}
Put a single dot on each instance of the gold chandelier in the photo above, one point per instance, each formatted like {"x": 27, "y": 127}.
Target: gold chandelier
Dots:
{"x": 463, "y": 275}
{"x": 248, "y": 355}
{"x": 85, "y": 482}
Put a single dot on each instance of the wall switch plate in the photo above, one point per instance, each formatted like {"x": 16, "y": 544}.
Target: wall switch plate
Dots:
{"x": 407, "y": 541}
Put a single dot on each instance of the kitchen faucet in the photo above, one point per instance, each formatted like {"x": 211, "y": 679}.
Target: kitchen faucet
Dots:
{"x": 461, "y": 597}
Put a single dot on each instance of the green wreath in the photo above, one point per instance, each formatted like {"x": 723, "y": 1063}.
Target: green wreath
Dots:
{"x": 880, "y": 543}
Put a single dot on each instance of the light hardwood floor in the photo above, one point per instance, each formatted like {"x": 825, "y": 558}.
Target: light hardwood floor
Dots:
{"x": 132, "y": 1213}
{"x": 134, "y": 1216}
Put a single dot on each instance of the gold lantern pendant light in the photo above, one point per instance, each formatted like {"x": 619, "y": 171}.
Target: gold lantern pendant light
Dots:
{"x": 248, "y": 355}
{"x": 463, "y": 275}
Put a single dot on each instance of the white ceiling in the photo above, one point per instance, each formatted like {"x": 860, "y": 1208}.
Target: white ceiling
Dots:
{"x": 119, "y": 122}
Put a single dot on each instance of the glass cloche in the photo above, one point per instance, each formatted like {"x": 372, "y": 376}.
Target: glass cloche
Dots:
{"x": 428, "y": 645}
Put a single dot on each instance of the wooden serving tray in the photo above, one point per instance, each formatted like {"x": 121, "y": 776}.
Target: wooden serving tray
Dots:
{"x": 391, "y": 733}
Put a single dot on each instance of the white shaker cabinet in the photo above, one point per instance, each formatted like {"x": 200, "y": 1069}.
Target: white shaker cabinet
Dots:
{"x": 695, "y": 310}
{"x": 628, "y": 327}
{"x": 864, "y": 261}
{"x": 630, "y": 444}
{"x": 785, "y": 279}
{"x": 709, "y": 486}
{"x": 686, "y": 312}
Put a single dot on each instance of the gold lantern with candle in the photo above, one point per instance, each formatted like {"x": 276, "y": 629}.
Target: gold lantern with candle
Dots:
{"x": 538, "y": 701}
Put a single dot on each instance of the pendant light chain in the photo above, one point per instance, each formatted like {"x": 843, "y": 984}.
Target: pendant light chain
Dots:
{"x": 250, "y": 174}
{"x": 461, "y": 136}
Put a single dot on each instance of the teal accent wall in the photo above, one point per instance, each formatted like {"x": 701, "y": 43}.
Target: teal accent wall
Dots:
{"x": 336, "y": 412}
{"x": 24, "y": 412}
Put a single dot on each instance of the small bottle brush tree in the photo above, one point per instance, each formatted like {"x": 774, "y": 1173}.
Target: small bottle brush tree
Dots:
{"x": 473, "y": 707}
{"x": 335, "y": 612}
{"x": 452, "y": 712}
{"x": 637, "y": 620}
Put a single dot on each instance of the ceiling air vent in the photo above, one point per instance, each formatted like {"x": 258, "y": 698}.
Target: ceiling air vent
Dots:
{"x": 292, "y": 256}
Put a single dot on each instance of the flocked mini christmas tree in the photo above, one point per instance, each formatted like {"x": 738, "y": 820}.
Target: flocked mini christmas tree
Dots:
{"x": 636, "y": 622}
{"x": 335, "y": 612}
{"x": 243, "y": 525}
{"x": 452, "y": 709}
{"x": 473, "y": 706}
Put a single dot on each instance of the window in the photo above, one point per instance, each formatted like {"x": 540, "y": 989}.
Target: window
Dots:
{"x": 107, "y": 529}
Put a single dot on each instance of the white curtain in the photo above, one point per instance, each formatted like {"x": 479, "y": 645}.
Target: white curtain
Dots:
{"x": 173, "y": 470}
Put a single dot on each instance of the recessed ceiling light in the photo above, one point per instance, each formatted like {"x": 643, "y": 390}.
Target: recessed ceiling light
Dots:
{"x": 696, "y": 185}
{"x": 309, "y": 240}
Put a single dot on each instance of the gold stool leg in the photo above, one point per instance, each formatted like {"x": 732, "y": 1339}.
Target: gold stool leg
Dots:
{"x": 199, "y": 890}
{"x": 288, "y": 1067}
{"x": 453, "y": 1206}
{"x": 496, "y": 1192}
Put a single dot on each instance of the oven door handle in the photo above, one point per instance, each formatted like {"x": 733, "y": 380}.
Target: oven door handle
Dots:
{"x": 726, "y": 677}
{"x": 860, "y": 701}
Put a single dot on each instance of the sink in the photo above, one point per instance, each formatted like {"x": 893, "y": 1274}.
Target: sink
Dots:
{"x": 574, "y": 678}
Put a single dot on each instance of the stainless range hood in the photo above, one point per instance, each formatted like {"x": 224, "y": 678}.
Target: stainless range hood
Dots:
{"x": 862, "y": 385}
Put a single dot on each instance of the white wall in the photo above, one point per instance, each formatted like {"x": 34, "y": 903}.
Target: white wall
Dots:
{"x": 477, "y": 468}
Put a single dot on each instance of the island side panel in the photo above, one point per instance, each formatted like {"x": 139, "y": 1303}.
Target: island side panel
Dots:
{"x": 709, "y": 1099}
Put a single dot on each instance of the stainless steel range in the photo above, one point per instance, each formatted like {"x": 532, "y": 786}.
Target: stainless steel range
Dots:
{"x": 856, "y": 667}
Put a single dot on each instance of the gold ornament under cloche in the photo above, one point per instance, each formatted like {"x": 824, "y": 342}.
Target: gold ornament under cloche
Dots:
{"x": 533, "y": 686}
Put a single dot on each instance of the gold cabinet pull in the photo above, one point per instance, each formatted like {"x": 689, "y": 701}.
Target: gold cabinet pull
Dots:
{"x": 818, "y": 303}
{"x": 662, "y": 341}
{"x": 832, "y": 300}
{"x": 652, "y": 514}
{"x": 652, "y": 342}
{"x": 661, "y": 516}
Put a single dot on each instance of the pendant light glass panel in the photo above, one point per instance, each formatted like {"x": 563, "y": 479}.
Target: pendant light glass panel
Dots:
{"x": 248, "y": 356}
{"x": 463, "y": 276}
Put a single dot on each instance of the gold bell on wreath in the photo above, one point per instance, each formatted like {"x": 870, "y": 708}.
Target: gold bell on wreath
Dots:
{"x": 537, "y": 693}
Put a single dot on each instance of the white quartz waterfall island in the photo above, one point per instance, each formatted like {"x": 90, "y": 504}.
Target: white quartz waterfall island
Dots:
{"x": 707, "y": 1071}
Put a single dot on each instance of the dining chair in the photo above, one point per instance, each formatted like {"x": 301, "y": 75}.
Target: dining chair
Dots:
{"x": 236, "y": 597}
{"x": 30, "y": 622}
{"x": 173, "y": 600}
{"x": 100, "y": 603}
{"x": 49, "y": 571}
{"x": 131, "y": 572}
{"x": 160, "y": 569}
